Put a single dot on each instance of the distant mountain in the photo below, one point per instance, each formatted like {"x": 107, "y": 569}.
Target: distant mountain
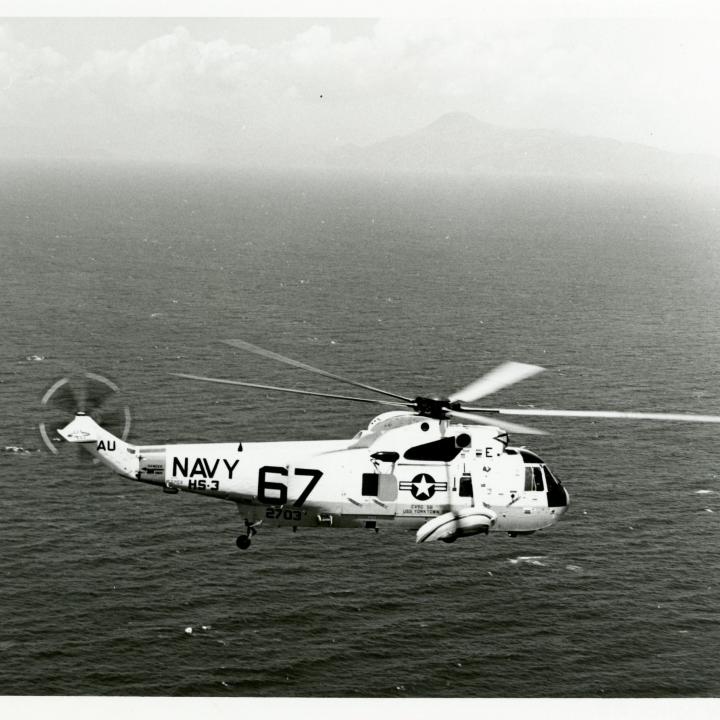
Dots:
{"x": 459, "y": 142}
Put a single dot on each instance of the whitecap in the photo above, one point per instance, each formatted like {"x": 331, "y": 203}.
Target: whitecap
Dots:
{"x": 574, "y": 568}
{"x": 703, "y": 492}
{"x": 528, "y": 559}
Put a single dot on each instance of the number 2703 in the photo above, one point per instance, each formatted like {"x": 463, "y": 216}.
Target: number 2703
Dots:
{"x": 274, "y": 513}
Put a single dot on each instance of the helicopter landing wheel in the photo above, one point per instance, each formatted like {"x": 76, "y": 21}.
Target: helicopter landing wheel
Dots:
{"x": 243, "y": 542}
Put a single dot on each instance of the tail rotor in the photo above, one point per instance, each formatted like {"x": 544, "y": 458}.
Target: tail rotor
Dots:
{"x": 83, "y": 393}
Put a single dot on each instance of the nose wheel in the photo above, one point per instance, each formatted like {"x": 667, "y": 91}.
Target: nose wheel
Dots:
{"x": 243, "y": 541}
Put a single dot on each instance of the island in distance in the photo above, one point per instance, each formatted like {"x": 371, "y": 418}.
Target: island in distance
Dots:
{"x": 460, "y": 143}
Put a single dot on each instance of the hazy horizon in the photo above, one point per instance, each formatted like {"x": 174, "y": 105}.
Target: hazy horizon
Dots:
{"x": 287, "y": 91}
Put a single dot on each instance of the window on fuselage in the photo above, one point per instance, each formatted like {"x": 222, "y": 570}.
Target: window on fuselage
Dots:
{"x": 370, "y": 483}
{"x": 534, "y": 479}
{"x": 379, "y": 485}
{"x": 551, "y": 480}
{"x": 465, "y": 489}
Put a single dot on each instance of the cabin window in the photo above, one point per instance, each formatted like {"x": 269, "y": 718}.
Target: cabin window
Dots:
{"x": 534, "y": 479}
{"x": 465, "y": 489}
{"x": 370, "y": 484}
{"x": 383, "y": 486}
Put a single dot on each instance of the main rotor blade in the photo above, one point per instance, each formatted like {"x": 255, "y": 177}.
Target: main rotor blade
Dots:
{"x": 506, "y": 374}
{"x": 677, "y": 417}
{"x": 502, "y": 424}
{"x": 249, "y": 347}
{"x": 289, "y": 390}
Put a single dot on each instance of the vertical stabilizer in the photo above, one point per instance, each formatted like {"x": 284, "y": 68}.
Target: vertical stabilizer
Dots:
{"x": 118, "y": 455}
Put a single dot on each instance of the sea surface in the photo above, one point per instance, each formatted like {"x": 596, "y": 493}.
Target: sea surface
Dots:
{"x": 417, "y": 285}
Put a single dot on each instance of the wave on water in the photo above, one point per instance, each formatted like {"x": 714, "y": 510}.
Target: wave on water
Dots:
{"x": 16, "y": 449}
{"x": 537, "y": 560}
{"x": 189, "y": 630}
{"x": 528, "y": 560}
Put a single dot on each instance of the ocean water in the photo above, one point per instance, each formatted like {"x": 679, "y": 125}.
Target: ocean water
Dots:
{"x": 415, "y": 285}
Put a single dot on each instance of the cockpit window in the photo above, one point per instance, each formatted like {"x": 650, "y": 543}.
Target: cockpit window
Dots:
{"x": 530, "y": 457}
{"x": 551, "y": 479}
{"x": 534, "y": 479}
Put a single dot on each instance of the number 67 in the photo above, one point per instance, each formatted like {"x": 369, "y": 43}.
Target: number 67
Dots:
{"x": 279, "y": 490}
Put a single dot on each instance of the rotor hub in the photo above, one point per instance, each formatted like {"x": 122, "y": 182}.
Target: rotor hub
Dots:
{"x": 436, "y": 408}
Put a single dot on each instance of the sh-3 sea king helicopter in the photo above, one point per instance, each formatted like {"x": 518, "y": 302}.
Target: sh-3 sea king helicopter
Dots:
{"x": 440, "y": 466}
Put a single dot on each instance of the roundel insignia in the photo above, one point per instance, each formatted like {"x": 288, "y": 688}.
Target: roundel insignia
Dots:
{"x": 422, "y": 486}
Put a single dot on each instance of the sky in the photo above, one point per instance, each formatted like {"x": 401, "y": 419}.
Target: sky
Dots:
{"x": 288, "y": 90}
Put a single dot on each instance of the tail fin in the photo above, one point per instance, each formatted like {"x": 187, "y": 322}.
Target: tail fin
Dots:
{"x": 118, "y": 455}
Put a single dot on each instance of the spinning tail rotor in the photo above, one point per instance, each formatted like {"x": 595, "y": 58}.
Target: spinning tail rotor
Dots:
{"x": 83, "y": 393}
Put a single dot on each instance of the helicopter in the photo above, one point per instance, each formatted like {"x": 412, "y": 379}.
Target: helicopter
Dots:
{"x": 440, "y": 466}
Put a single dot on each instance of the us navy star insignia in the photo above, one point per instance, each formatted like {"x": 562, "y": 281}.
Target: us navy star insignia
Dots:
{"x": 423, "y": 486}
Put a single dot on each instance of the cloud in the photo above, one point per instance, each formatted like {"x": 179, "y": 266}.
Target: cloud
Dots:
{"x": 22, "y": 66}
{"x": 183, "y": 96}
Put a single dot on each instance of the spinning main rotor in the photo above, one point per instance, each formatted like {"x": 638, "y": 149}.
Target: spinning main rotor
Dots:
{"x": 454, "y": 407}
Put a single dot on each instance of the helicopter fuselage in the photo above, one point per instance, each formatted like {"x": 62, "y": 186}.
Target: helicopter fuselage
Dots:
{"x": 404, "y": 472}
